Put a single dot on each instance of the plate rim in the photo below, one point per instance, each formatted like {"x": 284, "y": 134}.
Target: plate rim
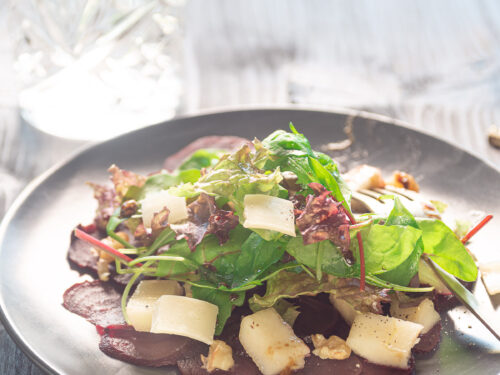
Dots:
{"x": 17, "y": 336}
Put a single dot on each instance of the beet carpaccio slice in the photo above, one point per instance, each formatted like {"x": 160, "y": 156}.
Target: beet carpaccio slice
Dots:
{"x": 80, "y": 253}
{"x": 96, "y": 301}
{"x": 148, "y": 349}
{"x": 228, "y": 143}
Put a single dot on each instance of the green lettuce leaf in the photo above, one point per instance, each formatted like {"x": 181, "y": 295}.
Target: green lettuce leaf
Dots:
{"x": 291, "y": 285}
{"x": 444, "y": 248}
{"x": 162, "y": 181}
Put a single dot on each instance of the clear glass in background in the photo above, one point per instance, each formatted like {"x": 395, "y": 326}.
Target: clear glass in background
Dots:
{"x": 93, "y": 69}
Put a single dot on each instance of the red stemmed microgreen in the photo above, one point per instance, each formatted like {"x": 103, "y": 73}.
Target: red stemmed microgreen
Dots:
{"x": 476, "y": 229}
{"x": 101, "y": 245}
{"x": 362, "y": 271}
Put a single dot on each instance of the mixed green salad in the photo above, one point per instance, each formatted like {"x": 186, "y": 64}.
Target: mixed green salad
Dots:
{"x": 274, "y": 214}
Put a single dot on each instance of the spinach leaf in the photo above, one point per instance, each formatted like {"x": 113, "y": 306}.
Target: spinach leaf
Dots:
{"x": 400, "y": 215}
{"x": 256, "y": 256}
{"x": 403, "y": 273}
{"x": 444, "y": 248}
{"x": 223, "y": 300}
{"x": 321, "y": 256}
{"x": 386, "y": 247}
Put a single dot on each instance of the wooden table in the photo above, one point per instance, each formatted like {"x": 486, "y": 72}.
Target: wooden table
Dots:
{"x": 433, "y": 64}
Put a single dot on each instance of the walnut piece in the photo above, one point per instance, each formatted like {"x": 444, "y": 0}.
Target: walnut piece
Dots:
{"x": 404, "y": 180}
{"x": 332, "y": 348}
{"x": 220, "y": 356}
{"x": 494, "y": 136}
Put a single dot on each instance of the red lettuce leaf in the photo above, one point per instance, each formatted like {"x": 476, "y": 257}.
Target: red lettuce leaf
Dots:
{"x": 123, "y": 179}
{"x": 106, "y": 204}
{"x": 324, "y": 218}
{"x": 205, "y": 218}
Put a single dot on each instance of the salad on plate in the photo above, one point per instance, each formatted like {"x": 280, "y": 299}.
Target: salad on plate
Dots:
{"x": 253, "y": 258}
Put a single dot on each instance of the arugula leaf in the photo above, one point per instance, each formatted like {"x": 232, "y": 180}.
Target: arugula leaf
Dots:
{"x": 209, "y": 252}
{"x": 321, "y": 256}
{"x": 444, "y": 248}
{"x": 293, "y": 152}
{"x": 256, "y": 256}
{"x": 113, "y": 223}
{"x": 223, "y": 300}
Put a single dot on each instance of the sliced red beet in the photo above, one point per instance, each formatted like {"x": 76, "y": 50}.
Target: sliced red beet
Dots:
{"x": 430, "y": 340}
{"x": 81, "y": 255}
{"x": 96, "y": 301}
{"x": 229, "y": 143}
{"x": 148, "y": 349}
{"x": 83, "y": 259}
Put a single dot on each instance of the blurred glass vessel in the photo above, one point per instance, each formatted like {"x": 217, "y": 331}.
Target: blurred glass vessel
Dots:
{"x": 93, "y": 69}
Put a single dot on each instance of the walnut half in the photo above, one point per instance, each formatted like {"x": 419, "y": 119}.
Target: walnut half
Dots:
{"x": 220, "y": 356}
{"x": 332, "y": 348}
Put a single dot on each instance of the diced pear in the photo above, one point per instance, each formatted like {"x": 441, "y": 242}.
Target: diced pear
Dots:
{"x": 344, "y": 308}
{"x": 271, "y": 343}
{"x": 423, "y": 314}
{"x": 140, "y": 305}
{"x": 156, "y": 201}
{"x": 383, "y": 340}
{"x": 267, "y": 212}
{"x": 490, "y": 273}
{"x": 426, "y": 275}
{"x": 185, "y": 316}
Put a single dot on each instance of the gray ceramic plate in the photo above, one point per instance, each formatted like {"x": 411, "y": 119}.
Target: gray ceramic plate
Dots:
{"x": 34, "y": 235}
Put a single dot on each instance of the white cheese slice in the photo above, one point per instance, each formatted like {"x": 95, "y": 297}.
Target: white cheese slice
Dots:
{"x": 383, "y": 340}
{"x": 423, "y": 314}
{"x": 140, "y": 305}
{"x": 156, "y": 201}
{"x": 185, "y": 316}
{"x": 271, "y": 343}
{"x": 490, "y": 273}
{"x": 266, "y": 212}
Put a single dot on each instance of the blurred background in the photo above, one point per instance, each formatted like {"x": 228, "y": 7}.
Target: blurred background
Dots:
{"x": 80, "y": 71}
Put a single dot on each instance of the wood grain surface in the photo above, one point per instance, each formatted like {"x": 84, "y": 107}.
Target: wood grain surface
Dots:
{"x": 434, "y": 64}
